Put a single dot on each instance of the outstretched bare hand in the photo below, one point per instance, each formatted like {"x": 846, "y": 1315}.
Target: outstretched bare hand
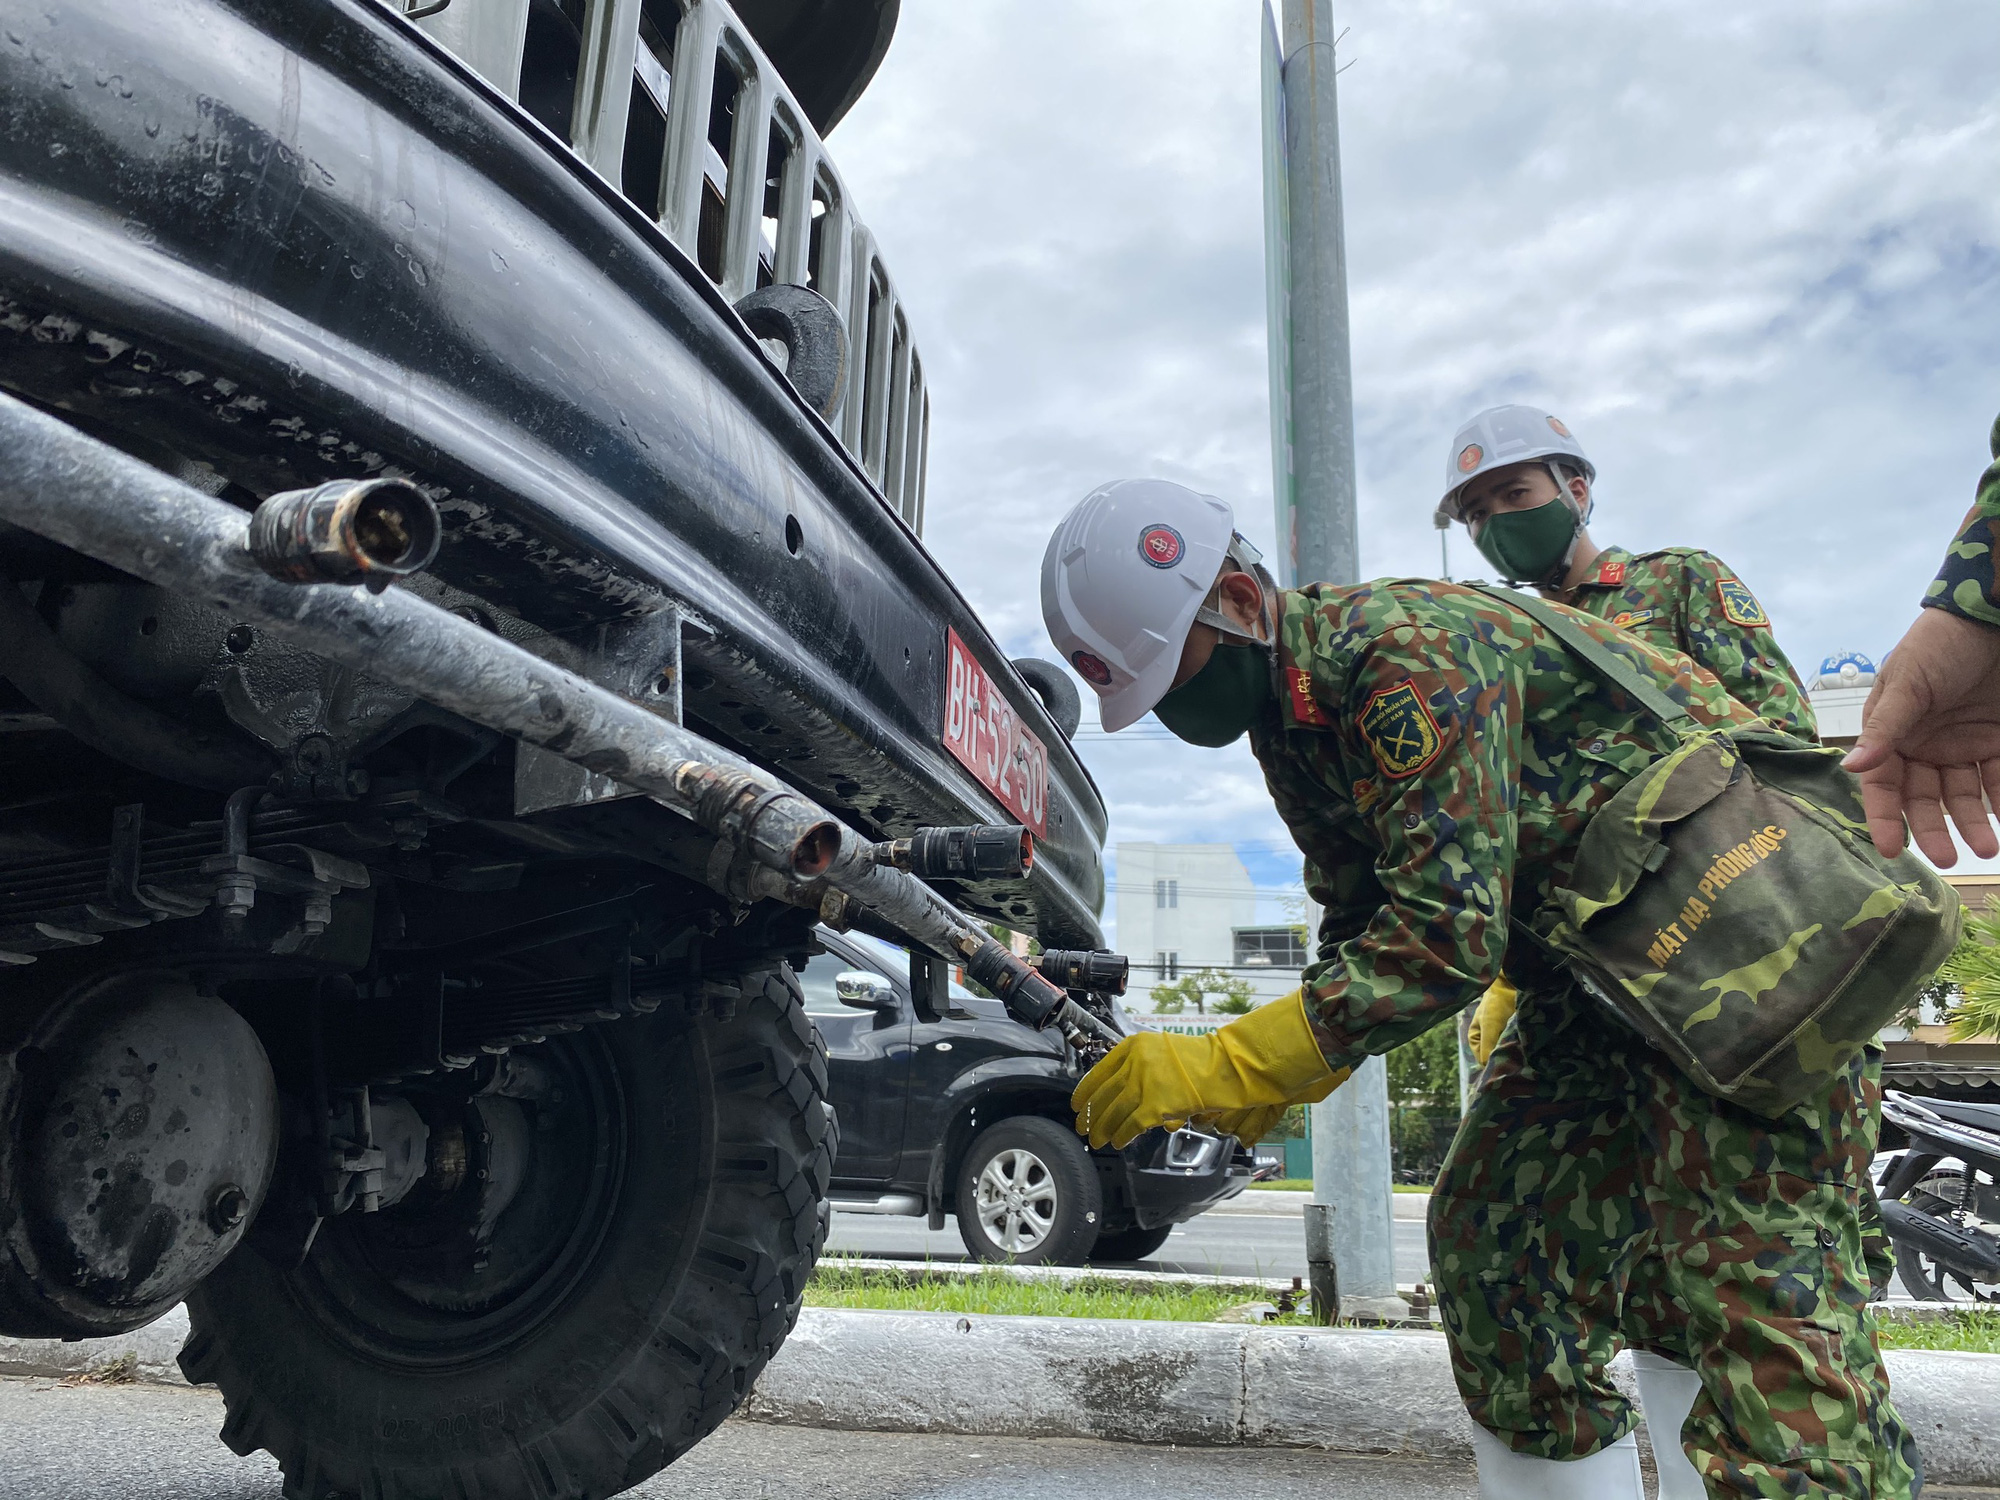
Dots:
{"x": 1930, "y": 740}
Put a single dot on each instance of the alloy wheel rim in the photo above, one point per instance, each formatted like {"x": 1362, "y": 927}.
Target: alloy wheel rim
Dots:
{"x": 1018, "y": 1200}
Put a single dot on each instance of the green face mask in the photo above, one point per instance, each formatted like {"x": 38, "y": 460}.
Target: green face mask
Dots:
{"x": 1528, "y": 546}
{"x": 1222, "y": 700}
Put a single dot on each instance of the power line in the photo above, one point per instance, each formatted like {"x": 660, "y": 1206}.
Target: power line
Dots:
{"x": 1212, "y": 894}
{"x": 1285, "y": 846}
{"x": 1184, "y": 969}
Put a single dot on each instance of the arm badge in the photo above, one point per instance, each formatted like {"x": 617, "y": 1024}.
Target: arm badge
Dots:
{"x": 1398, "y": 726}
{"x": 1739, "y": 605}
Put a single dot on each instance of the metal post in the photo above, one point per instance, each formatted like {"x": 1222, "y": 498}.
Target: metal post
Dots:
{"x": 1310, "y": 372}
{"x": 1350, "y": 1135}
{"x": 1313, "y": 462}
{"x": 1323, "y": 1275}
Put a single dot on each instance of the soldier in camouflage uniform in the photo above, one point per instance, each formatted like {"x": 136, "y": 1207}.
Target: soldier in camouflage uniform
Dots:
{"x": 1930, "y": 740}
{"x": 1968, "y": 585}
{"x": 1524, "y": 465}
{"x": 1509, "y": 461}
{"x": 1437, "y": 757}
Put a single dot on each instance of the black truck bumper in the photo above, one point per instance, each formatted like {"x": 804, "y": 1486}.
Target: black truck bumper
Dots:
{"x": 1164, "y": 1178}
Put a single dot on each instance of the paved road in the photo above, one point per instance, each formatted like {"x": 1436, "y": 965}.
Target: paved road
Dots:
{"x": 158, "y": 1443}
{"x": 1216, "y": 1244}
{"x": 1237, "y": 1244}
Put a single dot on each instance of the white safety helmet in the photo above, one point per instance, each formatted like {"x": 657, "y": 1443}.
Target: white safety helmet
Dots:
{"x": 1503, "y": 435}
{"x": 1124, "y": 580}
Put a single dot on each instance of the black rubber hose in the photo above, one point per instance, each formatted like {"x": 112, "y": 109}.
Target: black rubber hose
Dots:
{"x": 105, "y": 719}
{"x": 1058, "y": 694}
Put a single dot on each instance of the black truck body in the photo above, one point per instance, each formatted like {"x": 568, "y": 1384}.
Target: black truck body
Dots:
{"x": 399, "y": 955}
{"x": 296, "y": 242}
{"x": 947, "y": 1112}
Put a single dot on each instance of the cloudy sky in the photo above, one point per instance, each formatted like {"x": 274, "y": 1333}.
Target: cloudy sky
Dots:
{"x": 1751, "y": 254}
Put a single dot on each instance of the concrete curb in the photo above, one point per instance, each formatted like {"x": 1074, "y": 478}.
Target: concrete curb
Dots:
{"x": 1198, "y": 1384}
{"x": 1352, "y": 1391}
{"x": 154, "y": 1350}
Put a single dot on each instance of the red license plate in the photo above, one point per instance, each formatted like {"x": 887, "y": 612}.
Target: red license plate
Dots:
{"x": 984, "y": 735}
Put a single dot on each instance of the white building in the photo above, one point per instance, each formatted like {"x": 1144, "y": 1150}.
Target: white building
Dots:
{"x": 1183, "y": 907}
{"x": 1837, "y": 694}
{"x": 1178, "y": 907}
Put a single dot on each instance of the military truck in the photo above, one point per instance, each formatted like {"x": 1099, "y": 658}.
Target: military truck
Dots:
{"x": 465, "y": 620}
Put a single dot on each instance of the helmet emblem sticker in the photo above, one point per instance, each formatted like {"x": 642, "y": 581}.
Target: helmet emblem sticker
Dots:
{"x": 1161, "y": 546}
{"x": 1469, "y": 457}
{"x": 1560, "y": 430}
{"x": 1091, "y": 668}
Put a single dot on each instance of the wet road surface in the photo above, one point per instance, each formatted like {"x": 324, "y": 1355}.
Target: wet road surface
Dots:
{"x": 142, "y": 1442}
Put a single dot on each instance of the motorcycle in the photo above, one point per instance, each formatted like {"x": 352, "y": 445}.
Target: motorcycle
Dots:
{"x": 1941, "y": 1197}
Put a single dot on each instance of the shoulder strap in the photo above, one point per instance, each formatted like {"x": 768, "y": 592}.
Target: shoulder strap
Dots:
{"x": 1608, "y": 665}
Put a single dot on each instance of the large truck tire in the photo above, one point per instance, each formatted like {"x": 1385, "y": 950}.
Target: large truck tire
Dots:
{"x": 652, "y": 1259}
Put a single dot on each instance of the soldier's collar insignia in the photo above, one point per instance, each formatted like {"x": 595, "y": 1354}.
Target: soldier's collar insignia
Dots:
{"x": 1626, "y": 619}
{"x": 1739, "y": 605}
{"x": 1305, "y": 707}
{"x": 1612, "y": 573}
{"x": 1398, "y": 726}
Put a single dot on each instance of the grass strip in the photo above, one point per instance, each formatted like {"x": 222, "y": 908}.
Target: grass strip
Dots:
{"x": 995, "y": 1293}
{"x": 1976, "y": 1330}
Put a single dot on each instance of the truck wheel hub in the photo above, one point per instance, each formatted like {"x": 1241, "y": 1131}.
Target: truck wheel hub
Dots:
{"x": 144, "y": 1144}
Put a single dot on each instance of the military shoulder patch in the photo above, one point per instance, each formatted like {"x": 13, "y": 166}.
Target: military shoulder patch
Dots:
{"x": 1398, "y": 726}
{"x": 1739, "y": 605}
{"x": 1305, "y": 707}
{"x": 1626, "y": 619}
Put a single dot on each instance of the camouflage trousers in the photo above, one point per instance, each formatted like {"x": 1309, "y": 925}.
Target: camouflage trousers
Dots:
{"x": 1595, "y": 1198}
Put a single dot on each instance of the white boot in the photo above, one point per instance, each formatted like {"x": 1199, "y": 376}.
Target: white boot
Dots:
{"x": 1667, "y": 1393}
{"x": 1608, "y": 1474}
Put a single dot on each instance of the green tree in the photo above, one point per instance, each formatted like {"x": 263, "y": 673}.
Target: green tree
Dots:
{"x": 1974, "y": 971}
{"x": 1232, "y": 996}
{"x": 1424, "y": 1070}
{"x": 1423, "y": 1097}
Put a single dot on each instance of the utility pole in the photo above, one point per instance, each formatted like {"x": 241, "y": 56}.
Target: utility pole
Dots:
{"x": 1312, "y": 385}
{"x": 1312, "y": 441}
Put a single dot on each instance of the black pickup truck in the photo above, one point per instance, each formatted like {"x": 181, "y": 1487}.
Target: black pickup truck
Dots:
{"x": 967, "y": 1113}
{"x": 463, "y": 624}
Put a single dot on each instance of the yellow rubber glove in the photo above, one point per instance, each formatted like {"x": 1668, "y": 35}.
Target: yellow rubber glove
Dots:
{"x": 1496, "y": 1008}
{"x": 1268, "y": 1057}
{"x": 1251, "y": 1125}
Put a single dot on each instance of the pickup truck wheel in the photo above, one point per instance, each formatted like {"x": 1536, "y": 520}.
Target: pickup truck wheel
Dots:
{"x": 651, "y": 1259}
{"x": 1028, "y": 1195}
{"x": 1130, "y": 1244}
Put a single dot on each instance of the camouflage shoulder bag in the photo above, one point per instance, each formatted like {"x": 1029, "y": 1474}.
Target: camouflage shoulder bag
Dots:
{"x": 1728, "y": 904}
